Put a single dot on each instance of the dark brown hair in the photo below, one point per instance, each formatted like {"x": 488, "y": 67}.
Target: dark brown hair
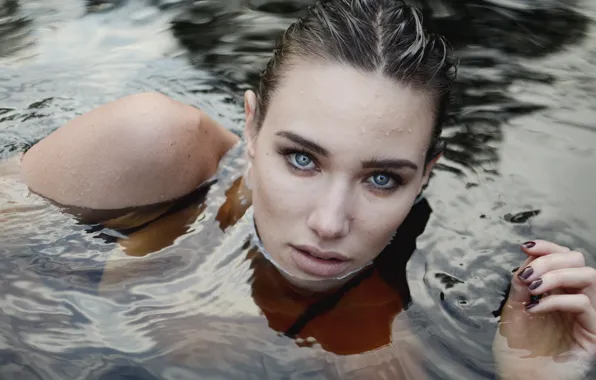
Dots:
{"x": 385, "y": 36}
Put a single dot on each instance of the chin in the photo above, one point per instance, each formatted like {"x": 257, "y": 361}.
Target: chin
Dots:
{"x": 309, "y": 283}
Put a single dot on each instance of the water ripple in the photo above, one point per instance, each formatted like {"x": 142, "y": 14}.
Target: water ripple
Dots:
{"x": 521, "y": 139}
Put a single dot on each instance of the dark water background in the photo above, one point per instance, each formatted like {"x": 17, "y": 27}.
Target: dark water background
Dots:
{"x": 520, "y": 164}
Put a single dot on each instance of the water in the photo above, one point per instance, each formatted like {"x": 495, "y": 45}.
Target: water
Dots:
{"x": 519, "y": 165}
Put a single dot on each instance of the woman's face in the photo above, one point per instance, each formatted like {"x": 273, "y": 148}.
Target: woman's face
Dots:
{"x": 336, "y": 167}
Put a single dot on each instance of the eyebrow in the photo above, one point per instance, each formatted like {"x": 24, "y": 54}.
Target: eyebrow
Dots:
{"x": 304, "y": 142}
{"x": 374, "y": 163}
{"x": 389, "y": 164}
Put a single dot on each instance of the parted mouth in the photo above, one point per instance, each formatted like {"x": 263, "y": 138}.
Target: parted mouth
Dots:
{"x": 324, "y": 255}
{"x": 324, "y": 264}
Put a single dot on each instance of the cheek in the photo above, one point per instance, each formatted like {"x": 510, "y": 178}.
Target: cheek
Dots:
{"x": 378, "y": 223}
{"x": 277, "y": 193}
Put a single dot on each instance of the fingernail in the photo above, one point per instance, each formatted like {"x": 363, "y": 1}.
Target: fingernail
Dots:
{"x": 535, "y": 284}
{"x": 529, "y": 244}
{"x": 526, "y": 273}
{"x": 531, "y": 305}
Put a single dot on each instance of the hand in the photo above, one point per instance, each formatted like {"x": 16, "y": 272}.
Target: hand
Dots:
{"x": 553, "y": 337}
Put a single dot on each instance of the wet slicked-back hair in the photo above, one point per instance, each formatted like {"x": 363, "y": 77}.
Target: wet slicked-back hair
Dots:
{"x": 376, "y": 36}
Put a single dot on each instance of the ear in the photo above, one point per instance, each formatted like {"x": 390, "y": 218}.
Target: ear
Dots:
{"x": 250, "y": 128}
{"x": 428, "y": 169}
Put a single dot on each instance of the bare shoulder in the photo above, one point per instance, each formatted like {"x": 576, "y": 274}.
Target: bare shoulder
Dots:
{"x": 138, "y": 150}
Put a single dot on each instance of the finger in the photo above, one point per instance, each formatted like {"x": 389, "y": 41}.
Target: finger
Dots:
{"x": 519, "y": 292}
{"x": 554, "y": 261}
{"x": 542, "y": 247}
{"x": 578, "y": 304}
{"x": 569, "y": 278}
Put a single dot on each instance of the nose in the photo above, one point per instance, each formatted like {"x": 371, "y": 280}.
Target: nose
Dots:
{"x": 330, "y": 217}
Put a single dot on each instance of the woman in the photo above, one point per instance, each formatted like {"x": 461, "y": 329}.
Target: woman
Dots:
{"x": 341, "y": 137}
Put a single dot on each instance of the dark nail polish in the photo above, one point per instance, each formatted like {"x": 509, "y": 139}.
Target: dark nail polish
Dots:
{"x": 526, "y": 273}
{"x": 529, "y": 244}
{"x": 531, "y": 305}
{"x": 535, "y": 284}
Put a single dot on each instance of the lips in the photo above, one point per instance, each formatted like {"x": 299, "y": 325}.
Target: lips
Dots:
{"x": 319, "y": 263}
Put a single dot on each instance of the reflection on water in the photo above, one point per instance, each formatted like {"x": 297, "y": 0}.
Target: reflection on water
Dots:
{"x": 521, "y": 148}
{"x": 14, "y": 30}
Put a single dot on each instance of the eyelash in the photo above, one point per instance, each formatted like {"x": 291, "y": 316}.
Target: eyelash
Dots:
{"x": 397, "y": 182}
{"x": 287, "y": 152}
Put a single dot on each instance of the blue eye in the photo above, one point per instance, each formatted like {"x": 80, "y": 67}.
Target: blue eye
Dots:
{"x": 382, "y": 181}
{"x": 301, "y": 161}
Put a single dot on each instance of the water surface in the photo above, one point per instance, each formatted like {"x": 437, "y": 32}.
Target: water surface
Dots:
{"x": 519, "y": 165}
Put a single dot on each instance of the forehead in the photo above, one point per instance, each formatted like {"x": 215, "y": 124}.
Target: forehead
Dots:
{"x": 339, "y": 106}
